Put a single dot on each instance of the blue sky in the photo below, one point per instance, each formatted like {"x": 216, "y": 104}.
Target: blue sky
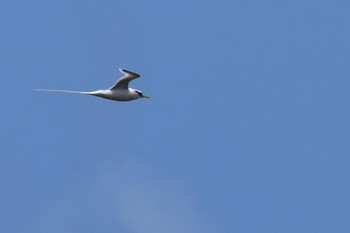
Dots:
{"x": 247, "y": 129}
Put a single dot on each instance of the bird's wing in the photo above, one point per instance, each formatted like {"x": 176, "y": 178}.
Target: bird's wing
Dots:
{"x": 123, "y": 82}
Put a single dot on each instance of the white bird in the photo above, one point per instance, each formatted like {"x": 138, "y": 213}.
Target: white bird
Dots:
{"x": 120, "y": 91}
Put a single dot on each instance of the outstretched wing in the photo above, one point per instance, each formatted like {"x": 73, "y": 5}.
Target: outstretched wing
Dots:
{"x": 123, "y": 82}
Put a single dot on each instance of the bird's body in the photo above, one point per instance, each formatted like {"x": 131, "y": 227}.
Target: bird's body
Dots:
{"x": 119, "y": 94}
{"x": 120, "y": 91}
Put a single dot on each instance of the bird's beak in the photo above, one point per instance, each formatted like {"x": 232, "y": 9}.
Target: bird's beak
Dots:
{"x": 145, "y": 96}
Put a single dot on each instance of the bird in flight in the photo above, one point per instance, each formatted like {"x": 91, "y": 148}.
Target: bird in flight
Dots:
{"x": 120, "y": 91}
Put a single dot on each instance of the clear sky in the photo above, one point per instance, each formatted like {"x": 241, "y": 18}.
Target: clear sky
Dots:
{"x": 247, "y": 129}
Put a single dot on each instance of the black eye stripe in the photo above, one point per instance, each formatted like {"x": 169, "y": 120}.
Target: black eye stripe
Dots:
{"x": 139, "y": 93}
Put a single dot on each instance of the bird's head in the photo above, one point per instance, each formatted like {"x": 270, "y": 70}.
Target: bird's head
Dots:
{"x": 141, "y": 95}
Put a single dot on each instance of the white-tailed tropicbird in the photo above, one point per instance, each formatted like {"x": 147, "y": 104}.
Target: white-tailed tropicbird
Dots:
{"x": 120, "y": 91}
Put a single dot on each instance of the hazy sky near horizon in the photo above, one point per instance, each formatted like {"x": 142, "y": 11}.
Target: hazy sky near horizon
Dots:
{"x": 247, "y": 129}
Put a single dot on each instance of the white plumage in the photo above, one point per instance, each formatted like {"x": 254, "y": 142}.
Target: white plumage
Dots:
{"x": 120, "y": 91}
